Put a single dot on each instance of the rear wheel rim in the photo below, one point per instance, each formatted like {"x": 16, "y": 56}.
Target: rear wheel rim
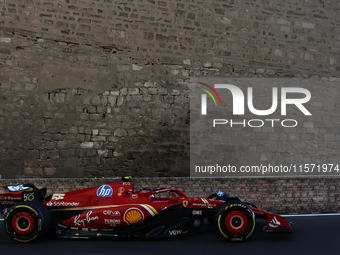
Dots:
{"x": 23, "y": 223}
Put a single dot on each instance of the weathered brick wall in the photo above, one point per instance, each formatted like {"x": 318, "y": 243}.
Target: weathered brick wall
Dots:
{"x": 280, "y": 195}
{"x": 100, "y": 88}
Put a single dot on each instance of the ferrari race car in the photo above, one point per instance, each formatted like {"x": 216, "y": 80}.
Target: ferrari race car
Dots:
{"x": 114, "y": 209}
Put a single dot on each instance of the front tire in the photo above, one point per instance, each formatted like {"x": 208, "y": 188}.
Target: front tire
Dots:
{"x": 235, "y": 221}
{"x": 27, "y": 221}
{"x": 220, "y": 195}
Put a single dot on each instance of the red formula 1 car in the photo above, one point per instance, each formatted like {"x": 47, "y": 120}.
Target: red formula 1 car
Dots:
{"x": 116, "y": 210}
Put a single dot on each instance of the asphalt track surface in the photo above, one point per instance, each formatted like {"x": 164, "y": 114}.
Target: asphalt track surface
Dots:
{"x": 313, "y": 234}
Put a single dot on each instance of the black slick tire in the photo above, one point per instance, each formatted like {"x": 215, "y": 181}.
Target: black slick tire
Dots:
{"x": 234, "y": 221}
{"x": 27, "y": 221}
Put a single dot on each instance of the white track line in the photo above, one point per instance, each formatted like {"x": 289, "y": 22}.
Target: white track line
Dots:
{"x": 310, "y": 215}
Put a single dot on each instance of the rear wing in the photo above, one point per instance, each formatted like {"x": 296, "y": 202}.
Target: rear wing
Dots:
{"x": 28, "y": 187}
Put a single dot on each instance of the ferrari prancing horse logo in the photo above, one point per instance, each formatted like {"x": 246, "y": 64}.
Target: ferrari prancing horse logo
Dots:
{"x": 185, "y": 203}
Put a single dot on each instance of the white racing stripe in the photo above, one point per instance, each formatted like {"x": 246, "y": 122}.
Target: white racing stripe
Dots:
{"x": 149, "y": 210}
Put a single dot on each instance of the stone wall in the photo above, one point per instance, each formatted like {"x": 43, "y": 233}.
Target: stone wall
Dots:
{"x": 279, "y": 195}
{"x": 100, "y": 88}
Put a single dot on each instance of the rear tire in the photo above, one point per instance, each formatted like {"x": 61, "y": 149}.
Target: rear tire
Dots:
{"x": 27, "y": 221}
{"x": 235, "y": 221}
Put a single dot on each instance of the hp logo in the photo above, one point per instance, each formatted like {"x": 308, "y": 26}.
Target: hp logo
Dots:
{"x": 104, "y": 191}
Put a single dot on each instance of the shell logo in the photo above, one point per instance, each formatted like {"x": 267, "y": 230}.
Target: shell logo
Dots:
{"x": 133, "y": 215}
